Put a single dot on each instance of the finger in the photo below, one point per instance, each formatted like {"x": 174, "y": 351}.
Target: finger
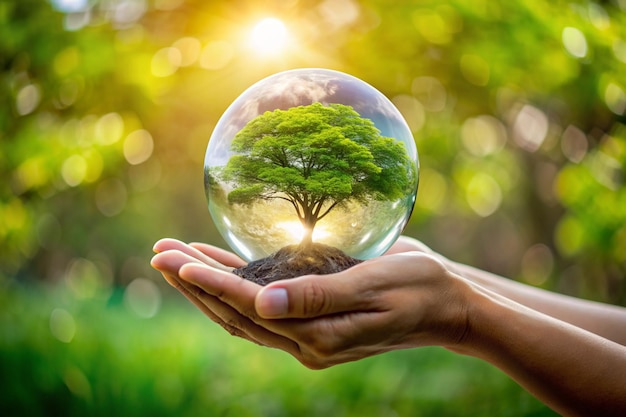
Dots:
{"x": 316, "y": 295}
{"x": 171, "y": 261}
{"x": 232, "y": 300}
{"x": 170, "y": 279}
{"x": 166, "y": 245}
{"x": 317, "y": 343}
{"x": 223, "y": 256}
{"x": 230, "y": 288}
{"x": 192, "y": 294}
{"x": 209, "y": 305}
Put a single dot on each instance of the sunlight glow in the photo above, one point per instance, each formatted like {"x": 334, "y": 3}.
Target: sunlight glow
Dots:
{"x": 295, "y": 231}
{"x": 269, "y": 36}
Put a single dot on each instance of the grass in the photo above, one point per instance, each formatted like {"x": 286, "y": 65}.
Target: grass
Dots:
{"x": 65, "y": 355}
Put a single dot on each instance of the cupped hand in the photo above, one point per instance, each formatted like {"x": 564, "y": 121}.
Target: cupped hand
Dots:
{"x": 400, "y": 300}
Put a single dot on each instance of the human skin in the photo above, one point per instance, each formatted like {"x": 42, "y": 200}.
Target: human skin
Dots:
{"x": 413, "y": 297}
{"x": 605, "y": 320}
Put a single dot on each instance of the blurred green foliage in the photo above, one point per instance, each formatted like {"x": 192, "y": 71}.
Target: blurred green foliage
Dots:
{"x": 98, "y": 356}
{"x": 106, "y": 106}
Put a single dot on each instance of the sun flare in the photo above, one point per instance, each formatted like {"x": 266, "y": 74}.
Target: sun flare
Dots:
{"x": 295, "y": 231}
{"x": 269, "y": 36}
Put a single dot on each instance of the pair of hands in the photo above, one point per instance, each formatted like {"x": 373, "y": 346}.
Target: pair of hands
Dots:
{"x": 406, "y": 298}
{"x": 567, "y": 352}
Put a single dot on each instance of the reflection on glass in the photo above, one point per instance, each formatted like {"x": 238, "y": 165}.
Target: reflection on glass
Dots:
{"x": 311, "y": 155}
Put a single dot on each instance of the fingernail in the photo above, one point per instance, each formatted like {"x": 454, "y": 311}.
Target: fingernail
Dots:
{"x": 272, "y": 302}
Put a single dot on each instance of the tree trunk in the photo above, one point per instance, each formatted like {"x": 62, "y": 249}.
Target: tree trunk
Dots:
{"x": 308, "y": 223}
{"x": 307, "y": 237}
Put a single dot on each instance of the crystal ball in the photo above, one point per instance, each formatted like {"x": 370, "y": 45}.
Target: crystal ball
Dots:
{"x": 311, "y": 155}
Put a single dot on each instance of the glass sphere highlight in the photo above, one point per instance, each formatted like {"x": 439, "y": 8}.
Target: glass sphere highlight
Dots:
{"x": 311, "y": 155}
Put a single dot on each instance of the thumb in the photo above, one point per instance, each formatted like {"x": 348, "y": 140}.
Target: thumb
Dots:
{"x": 307, "y": 297}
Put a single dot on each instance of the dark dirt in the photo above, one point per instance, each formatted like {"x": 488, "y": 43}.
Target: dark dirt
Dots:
{"x": 296, "y": 260}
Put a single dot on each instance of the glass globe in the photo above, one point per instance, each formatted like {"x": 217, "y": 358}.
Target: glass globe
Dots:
{"x": 311, "y": 155}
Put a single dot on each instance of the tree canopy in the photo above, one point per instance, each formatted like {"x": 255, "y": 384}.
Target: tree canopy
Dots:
{"x": 317, "y": 158}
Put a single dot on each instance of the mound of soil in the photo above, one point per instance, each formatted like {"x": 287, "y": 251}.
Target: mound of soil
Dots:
{"x": 296, "y": 260}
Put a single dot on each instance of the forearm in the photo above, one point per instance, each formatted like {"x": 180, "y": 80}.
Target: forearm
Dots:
{"x": 573, "y": 371}
{"x": 605, "y": 320}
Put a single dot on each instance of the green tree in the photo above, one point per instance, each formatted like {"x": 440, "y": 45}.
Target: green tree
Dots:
{"x": 317, "y": 158}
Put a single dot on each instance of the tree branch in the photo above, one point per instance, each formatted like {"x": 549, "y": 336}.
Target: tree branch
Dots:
{"x": 332, "y": 206}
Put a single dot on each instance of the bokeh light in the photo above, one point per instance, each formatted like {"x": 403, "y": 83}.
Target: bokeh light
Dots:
{"x": 27, "y": 99}
{"x": 574, "y": 144}
{"x": 62, "y": 325}
{"x": 77, "y": 383}
{"x": 483, "y": 135}
{"x": 109, "y": 128}
{"x": 575, "y": 42}
{"x": 484, "y": 195}
{"x": 166, "y": 61}
{"x": 216, "y": 55}
{"x": 74, "y": 170}
{"x": 138, "y": 146}
{"x": 111, "y": 196}
{"x": 615, "y": 98}
{"x": 537, "y": 264}
{"x": 143, "y": 298}
{"x": 530, "y": 128}
{"x": 189, "y": 49}
{"x": 70, "y": 6}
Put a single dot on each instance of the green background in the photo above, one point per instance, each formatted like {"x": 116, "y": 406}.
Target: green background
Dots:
{"x": 106, "y": 107}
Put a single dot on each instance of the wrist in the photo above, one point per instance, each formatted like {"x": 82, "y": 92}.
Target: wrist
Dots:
{"x": 479, "y": 307}
{"x": 455, "y": 325}
{"x": 492, "y": 320}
